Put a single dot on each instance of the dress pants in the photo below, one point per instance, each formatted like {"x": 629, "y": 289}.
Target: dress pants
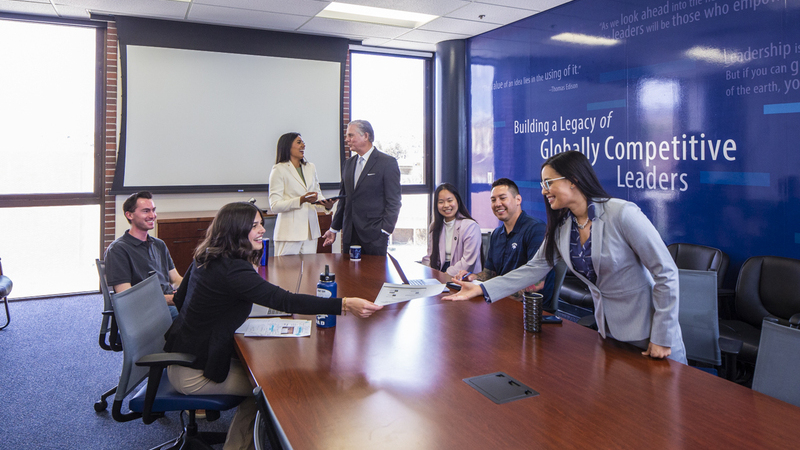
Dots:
{"x": 190, "y": 381}
{"x": 295, "y": 247}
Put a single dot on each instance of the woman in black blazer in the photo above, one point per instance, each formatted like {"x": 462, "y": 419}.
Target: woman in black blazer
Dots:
{"x": 215, "y": 299}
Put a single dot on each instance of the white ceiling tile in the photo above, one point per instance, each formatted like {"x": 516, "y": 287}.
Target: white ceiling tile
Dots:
{"x": 42, "y": 9}
{"x": 431, "y": 36}
{"x": 344, "y": 27}
{"x": 143, "y": 8}
{"x": 460, "y": 26}
{"x": 294, "y": 7}
{"x": 245, "y": 18}
{"x": 533, "y": 5}
{"x": 493, "y": 14}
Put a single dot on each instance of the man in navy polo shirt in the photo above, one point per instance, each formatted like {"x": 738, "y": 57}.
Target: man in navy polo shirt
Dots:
{"x": 136, "y": 255}
{"x": 515, "y": 241}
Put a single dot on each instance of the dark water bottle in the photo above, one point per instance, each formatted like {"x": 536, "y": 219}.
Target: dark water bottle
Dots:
{"x": 326, "y": 288}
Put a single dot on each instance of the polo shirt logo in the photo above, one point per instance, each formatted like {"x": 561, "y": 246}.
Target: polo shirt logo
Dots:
{"x": 514, "y": 246}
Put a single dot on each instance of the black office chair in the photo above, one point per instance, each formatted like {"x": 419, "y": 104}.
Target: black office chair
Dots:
{"x": 109, "y": 333}
{"x": 5, "y": 290}
{"x": 700, "y": 257}
{"x": 143, "y": 319}
{"x": 778, "y": 362}
{"x": 767, "y": 286}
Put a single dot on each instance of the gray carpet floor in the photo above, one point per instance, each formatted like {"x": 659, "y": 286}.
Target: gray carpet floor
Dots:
{"x": 52, "y": 370}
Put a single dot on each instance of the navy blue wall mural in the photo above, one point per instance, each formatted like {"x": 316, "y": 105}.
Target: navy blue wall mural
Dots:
{"x": 691, "y": 109}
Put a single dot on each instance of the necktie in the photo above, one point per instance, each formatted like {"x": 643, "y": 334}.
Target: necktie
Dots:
{"x": 359, "y": 168}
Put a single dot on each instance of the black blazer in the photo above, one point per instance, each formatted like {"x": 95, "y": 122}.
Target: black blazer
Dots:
{"x": 216, "y": 299}
{"x": 374, "y": 204}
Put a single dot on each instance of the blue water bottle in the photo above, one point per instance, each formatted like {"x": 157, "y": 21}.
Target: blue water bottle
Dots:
{"x": 326, "y": 288}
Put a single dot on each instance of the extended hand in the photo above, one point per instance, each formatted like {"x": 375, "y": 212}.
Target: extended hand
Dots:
{"x": 329, "y": 236}
{"x": 468, "y": 291}
{"x": 360, "y": 307}
{"x": 308, "y": 197}
{"x": 328, "y": 204}
{"x": 657, "y": 351}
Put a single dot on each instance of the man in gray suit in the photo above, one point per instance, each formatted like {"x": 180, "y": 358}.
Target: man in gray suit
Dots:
{"x": 368, "y": 212}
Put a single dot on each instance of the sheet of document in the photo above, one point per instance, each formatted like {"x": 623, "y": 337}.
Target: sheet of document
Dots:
{"x": 275, "y": 328}
{"x": 396, "y": 293}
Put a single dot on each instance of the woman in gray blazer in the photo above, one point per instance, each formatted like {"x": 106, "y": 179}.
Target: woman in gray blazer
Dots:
{"x": 612, "y": 247}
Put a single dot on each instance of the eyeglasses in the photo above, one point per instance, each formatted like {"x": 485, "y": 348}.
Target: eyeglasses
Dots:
{"x": 546, "y": 183}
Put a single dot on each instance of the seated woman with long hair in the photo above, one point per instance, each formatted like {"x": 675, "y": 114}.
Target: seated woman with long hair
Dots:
{"x": 454, "y": 238}
{"x": 215, "y": 299}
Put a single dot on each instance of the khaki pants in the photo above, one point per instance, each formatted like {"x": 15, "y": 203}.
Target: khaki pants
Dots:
{"x": 190, "y": 381}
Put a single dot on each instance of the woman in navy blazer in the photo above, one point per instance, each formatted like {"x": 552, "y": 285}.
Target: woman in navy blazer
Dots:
{"x": 612, "y": 247}
{"x": 293, "y": 190}
{"x": 454, "y": 238}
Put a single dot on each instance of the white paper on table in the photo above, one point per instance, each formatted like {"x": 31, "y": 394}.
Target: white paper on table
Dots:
{"x": 275, "y": 328}
{"x": 396, "y": 293}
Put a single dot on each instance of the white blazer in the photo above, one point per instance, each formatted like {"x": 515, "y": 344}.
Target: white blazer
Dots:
{"x": 295, "y": 222}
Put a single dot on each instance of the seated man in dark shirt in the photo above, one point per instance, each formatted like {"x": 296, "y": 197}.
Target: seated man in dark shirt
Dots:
{"x": 136, "y": 255}
{"x": 515, "y": 241}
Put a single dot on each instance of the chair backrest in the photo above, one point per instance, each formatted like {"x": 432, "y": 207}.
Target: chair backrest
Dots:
{"x": 143, "y": 318}
{"x": 768, "y": 286}
{"x": 486, "y": 239}
{"x": 697, "y": 315}
{"x": 109, "y": 336}
{"x": 778, "y": 363}
{"x": 700, "y": 257}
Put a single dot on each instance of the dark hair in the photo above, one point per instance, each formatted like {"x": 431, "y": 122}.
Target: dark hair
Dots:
{"x": 364, "y": 127}
{"x": 132, "y": 200}
{"x": 506, "y": 182}
{"x": 284, "y": 152}
{"x": 576, "y": 168}
{"x": 228, "y": 235}
{"x": 438, "y": 221}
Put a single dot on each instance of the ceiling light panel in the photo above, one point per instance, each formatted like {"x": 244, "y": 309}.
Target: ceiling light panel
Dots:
{"x": 368, "y": 14}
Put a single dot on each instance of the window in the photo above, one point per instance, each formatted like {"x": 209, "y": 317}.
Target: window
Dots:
{"x": 49, "y": 193}
{"x": 393, "y": 93}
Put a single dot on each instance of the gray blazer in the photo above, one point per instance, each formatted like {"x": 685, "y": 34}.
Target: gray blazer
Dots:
{"x": 637, "y": 281}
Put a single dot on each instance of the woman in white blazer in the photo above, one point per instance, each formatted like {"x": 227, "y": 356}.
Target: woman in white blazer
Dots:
{"x": 612, "y": 247}
{"x": 295, "y": 195}
{"x": 454, "y": 238}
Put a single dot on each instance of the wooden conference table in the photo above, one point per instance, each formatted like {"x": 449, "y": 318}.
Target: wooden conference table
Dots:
{"x": 394, "y": 381}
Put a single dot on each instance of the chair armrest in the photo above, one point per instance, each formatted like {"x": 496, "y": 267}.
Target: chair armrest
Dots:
{"x": 157, "y": 362}
{"x": 5, "y": 286}
{"x": 166, "y": 359}
{"x": 730, "y": 349}
{"x": 730, "y": 346}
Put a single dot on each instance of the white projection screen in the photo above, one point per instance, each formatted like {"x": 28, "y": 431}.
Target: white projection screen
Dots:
{"x": 207, "y": 118}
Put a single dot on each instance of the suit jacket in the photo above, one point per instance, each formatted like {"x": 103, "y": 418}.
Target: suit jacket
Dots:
{"x": 637, "y": 280}
{"x": 374, "y": 203}
{"x": 466, "y": 248}
{"x": 295, "y": 222}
